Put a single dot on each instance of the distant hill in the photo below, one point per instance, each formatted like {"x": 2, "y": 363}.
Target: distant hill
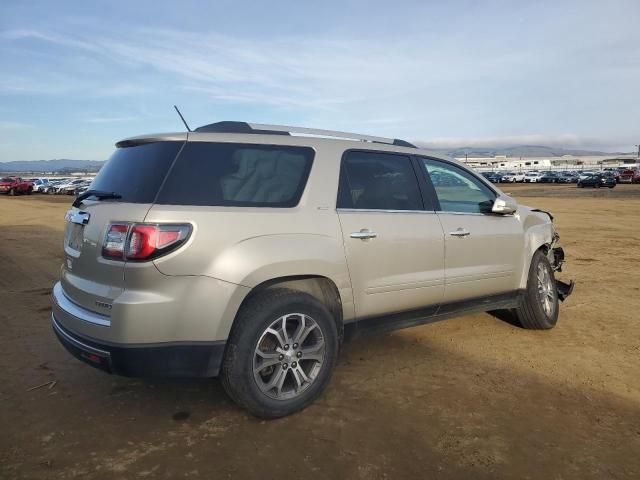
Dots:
{"x": 51, "y": 165}
{"x": 517, "y": 151}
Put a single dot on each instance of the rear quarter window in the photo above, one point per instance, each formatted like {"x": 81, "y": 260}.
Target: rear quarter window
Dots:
{"x": 230, "y": 174}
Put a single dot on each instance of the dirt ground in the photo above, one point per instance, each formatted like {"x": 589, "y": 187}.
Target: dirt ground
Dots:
{"x": 474, "y": 397}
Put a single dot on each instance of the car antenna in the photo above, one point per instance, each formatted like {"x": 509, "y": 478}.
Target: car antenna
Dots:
{"x": 182, "y": 118}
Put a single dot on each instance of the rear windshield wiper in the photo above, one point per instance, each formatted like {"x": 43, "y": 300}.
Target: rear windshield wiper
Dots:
{"x": 95, "y": 193}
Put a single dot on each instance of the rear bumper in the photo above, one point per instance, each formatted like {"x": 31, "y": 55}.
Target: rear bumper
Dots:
{"x": 202, "y": 359}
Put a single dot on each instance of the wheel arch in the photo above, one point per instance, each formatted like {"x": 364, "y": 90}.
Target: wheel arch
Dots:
{"x": 539, "y": 235}
{"x": 320, "y": 287}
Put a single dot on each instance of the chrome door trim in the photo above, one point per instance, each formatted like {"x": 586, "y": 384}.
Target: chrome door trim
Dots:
{"x": 475, "y": 214}
{"x": 373, "y": 210}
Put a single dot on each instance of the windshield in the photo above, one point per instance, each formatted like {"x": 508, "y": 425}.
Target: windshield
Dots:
{"x": 7, "y": 179}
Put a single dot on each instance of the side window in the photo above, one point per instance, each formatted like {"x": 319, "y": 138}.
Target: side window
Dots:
{"x": 378, "y": 181}
{"x": 230, "y": 174}
{"x": 457, "y": 189}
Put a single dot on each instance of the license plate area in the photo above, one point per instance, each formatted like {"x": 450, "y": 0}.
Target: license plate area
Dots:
{"x": 76, "y": 236}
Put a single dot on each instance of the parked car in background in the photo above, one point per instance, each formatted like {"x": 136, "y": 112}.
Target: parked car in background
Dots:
{"x": 611, "y": 174}
{"x": 39, "y": 183}
{"x": 258, "y": 270}
{"x": 63, "y": 188}
{"x": 531, "y": 177}
{"x": 513, "y": 177}
{"x": 567, "y": 177}
{"x": 51, "y": 187}
{"x": 585, "y": 174}
{"x": 15, "y": 186}
{"x": 493, "y": 177}
{"x": 597, "y": 180}
{"x": 80, "y": 188}
{"x": 630, "y": 175}
{"x": 548, "y": 177}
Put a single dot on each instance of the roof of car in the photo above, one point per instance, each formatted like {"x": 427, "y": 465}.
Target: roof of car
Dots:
{"x": 279, "y": 134}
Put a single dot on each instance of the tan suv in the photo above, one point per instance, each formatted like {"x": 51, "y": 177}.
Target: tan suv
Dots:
{"x": 244, "y": 251}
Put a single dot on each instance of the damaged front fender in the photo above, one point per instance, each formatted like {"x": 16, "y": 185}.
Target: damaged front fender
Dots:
{"x": 557, "y": 260}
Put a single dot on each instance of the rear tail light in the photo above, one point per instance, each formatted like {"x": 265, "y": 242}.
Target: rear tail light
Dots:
{"x": 143, "y": 241}
{"x": 115, "y": 240}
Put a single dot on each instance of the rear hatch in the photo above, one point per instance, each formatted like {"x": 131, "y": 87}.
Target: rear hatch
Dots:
{"x": 133, "y": 174}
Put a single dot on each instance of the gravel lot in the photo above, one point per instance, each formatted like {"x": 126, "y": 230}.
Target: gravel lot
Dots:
{"x": 474, "y": 397}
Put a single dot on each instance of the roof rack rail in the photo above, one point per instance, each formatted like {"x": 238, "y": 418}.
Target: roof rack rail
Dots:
{"x": 263, "y": 129}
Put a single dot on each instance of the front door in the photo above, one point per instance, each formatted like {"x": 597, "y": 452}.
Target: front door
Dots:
{"x": 484, "y": 251}
{"x": 393, "y": 242}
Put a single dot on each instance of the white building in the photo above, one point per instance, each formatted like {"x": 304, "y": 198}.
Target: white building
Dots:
{"x": 565, "y": 162}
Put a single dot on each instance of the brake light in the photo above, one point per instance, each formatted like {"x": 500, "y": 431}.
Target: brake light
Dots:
{"x": 141, "y": 241}
{"x": 115, "y": 240}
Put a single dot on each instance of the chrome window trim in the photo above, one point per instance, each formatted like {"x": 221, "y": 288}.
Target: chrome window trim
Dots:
{"x": 74, "y": 310}
{"x": 374, "y": 210}
{"x": 475, "y": 214}
{"x": 488, "y": 214}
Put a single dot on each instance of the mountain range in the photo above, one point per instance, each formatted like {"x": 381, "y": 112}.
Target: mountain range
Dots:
{"x": 513, "y": 152}
{"x": 50, "y": 165}
{"x": 518, "y": 151}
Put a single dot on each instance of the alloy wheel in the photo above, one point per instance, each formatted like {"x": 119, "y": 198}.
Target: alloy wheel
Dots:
{"x": 288, "y": 356}
{"x": 546, "y": 293}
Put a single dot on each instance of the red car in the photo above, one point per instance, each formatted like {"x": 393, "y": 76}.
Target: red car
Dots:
{"x": 631, "y": 175}
{"x": 15, "y": 185}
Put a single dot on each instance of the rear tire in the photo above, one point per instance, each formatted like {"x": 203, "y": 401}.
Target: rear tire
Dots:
{"x": 264, "y": 370}
{"x": 538, "y": 307}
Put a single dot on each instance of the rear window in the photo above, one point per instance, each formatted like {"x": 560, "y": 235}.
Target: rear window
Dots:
{"x": 136, "y": 173}
{"x": 230, "y": 174}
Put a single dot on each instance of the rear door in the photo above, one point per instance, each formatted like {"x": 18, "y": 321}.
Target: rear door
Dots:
{"x": 393, "y": 242}
{"x": 484, "y": 251}
{"x": 134, "y": 173}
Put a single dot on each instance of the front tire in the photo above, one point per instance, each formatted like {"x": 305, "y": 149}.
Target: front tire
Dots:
{"x": 280, "y": 354}
{"x": 538, "y": 307}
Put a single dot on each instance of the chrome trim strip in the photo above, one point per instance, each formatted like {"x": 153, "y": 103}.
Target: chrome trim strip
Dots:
{"x": 373, "y": 210}
{"x": 76, "y": 311}
{"x": 77, "y": 216}
{"x": 475, "y": 214}
{"x": 77, "y": 343}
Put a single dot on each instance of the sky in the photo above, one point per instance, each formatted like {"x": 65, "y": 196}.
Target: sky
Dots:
{"x": 76, "y": 77}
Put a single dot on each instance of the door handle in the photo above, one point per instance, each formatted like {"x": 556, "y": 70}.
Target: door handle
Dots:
{"x": 364, "y": 234}
{"x": 460, "y": 232}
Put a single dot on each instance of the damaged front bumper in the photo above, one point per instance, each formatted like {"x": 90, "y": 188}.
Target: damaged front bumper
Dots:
{"x": 557, "y": 259}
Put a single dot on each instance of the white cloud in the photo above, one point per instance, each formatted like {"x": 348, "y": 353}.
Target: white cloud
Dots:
{"x": 466, "y": 84}
{"x": 549, "y": 140}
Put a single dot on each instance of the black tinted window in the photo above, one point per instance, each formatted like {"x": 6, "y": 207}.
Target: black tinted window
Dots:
{"x": 378, "y": 181}
{"x": 238, "y": 175}
{"x": 135, "y": 173}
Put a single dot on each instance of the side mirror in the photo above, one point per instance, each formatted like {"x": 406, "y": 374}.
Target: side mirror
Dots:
{"x": 504, "y": 205}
